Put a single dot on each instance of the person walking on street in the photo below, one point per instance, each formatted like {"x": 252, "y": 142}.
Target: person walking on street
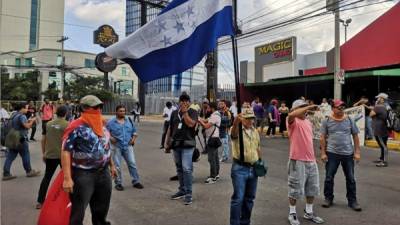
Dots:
{"x": 211, "y": 126}
{"x": 46, "y": 111}
{"x": 182, "y": 132}
{"x": 51, "y": 150}
{"x": 226, "y": 118}
{"x": 244, "y": 179}
{"x": 86, "y": 162}
{"x": 167, "y": 117}
{"x": 337, "y": 132}
{"x": 32, "y": 113}
{"x": 123, "y": 138}
{"x": 20, "y": 123}
{"x": 303, "y": 179}
{"x": 381, "y": 133}
{"x": 136, "y": 112}
{"x": 273, "y": 118}
{"x": 283, "y": 113}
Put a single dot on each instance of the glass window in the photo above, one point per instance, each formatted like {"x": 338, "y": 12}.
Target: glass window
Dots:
{"x": 123, "y": 71}
{"x": 33, "y": 24}
{"x": 17, "y": 62}
{"x": 89, "y": 63}
{"x": 28, "y": 62}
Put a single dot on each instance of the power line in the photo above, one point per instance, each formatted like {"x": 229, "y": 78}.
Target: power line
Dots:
{"x": 319, "y": 22}
{"x": 295, "y": 20}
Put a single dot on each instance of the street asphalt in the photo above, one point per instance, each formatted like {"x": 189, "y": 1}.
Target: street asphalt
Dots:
{"x": 378, "y": 190}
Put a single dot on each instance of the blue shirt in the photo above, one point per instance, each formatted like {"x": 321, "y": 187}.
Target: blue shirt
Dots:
{"x": 18, "y": 122}
{"x": 123, "y": 133}
{"x": 88, "y": 151}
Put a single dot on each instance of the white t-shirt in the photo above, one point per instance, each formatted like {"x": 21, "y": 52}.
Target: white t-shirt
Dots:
{"x": 4, "y": 114}
{"x": 233, "y": 109}
{"x": 168, "y": 112}
{"x": 214, "y": 119}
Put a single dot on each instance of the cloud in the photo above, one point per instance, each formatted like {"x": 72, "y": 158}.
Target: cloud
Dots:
{"x": 98, "y": 11}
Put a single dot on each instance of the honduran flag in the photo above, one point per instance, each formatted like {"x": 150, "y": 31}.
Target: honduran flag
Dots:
{"x": 177, "y": 39}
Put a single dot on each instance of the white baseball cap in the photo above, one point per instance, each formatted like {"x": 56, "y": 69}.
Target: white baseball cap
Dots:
{"x": 382, "y": 95}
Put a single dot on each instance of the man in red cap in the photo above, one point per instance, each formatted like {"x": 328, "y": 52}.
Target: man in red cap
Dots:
{"x": 337, "y": 132}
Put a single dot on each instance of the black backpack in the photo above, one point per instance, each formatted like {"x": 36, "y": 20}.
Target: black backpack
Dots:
{"x": 393, "y": 120}
{"x": 6, "y": 126}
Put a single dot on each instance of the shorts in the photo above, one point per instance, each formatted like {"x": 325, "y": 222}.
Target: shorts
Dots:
{"x": 303, "y": 179}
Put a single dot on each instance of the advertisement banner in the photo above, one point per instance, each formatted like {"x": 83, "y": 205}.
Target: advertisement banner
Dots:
{"x": 356, "y": 113}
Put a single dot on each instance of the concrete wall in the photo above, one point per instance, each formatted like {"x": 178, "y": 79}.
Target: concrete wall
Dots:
{"x": 15, "y": 24}
{"x": 279, "y": 70}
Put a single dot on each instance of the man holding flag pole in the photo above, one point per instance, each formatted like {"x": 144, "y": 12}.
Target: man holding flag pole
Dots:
{"x": 177, "y": 39}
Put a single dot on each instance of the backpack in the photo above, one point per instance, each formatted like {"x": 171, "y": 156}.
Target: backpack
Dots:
{"x": 393, "y": 120}
{"x": 10, "y": 137}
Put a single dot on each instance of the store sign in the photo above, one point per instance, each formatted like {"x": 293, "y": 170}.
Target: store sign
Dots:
{"x": 340, "y": 76}
{"x": 278, "y": 51}
{"x": 105, "y": 36}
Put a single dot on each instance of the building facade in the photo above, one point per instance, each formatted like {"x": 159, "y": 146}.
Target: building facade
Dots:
{"x": 30, "y": 24}
{"x": 47, "y": 61}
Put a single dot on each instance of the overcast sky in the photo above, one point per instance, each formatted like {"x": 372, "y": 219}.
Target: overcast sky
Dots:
{"x": 313, "y": 35}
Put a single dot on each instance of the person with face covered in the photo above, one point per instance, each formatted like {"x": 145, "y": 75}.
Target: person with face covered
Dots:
{"x": 87, "y": 164}
{"x": 337, "y": 132}
{"x": 303, "y": 179}
{"x": 182, "y": 141}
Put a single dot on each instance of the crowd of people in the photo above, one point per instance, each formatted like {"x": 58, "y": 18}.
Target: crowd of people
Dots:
{"x": 90, "y": 149}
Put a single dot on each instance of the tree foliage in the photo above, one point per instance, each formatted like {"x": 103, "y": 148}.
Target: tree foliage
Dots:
{"x": 21, "y": 88}
{"x": 82, "y": 86}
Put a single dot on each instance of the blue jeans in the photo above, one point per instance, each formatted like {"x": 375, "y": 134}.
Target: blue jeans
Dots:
{"x": 334, "y": 160}
{"x": 184, "y": 169}
{"x": 244, "y": 181}
{"x": 225, "y": 147}
{"x": 129, "y": 157}
{"x": 369, "y": 134}
{"x": 23, "y": 151}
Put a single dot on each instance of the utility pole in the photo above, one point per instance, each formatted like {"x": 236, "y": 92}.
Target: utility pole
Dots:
{"x": 62, "y": 40}
{"x": 212, "y": 72}
{"x": 337, "y": 91}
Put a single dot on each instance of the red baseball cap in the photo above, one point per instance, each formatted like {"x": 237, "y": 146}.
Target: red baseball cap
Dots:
{"x": 338, "y": 102}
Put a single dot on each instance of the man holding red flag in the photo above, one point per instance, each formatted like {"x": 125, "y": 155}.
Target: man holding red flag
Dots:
{"x": 86, "y": 162}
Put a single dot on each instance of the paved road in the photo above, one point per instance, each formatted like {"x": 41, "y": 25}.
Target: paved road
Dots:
{"x": 378, "y": 191}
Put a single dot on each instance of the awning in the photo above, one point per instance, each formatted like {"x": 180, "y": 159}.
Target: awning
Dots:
{"x": 324, "y": 77}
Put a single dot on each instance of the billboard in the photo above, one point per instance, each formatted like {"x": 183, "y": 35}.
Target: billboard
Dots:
{"x": 275, "y": 52}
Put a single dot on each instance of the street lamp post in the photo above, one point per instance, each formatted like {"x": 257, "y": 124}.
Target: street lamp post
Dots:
{"x": 345, "y": 24}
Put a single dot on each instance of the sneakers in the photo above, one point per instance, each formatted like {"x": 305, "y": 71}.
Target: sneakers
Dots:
{"x": 210, "y": 180}
{"x": 38, "y": 206}
{"x": 293, "y": 219}
{"x": 119, "y": 187}
{"x": 217, "y": 177}
{"x": 178, "y": 195}
{"x": 313, "y": 218}
{"x": 327, "y": 203}
{"x": 382, "y": 164}
{"x": 174, "y": 178}
{"x": 138, "y": 186}
{"x": 355, "y": 206}
{"x": 33, "y": 173}
{"x": 188, "y": 200}
{"x": 8, "y": 177}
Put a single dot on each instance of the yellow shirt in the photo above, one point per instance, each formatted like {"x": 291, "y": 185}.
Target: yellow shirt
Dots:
{"x": 251, "y": 141}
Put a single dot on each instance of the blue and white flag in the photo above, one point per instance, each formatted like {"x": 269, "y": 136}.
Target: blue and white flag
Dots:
{"x": 177, "y": 39}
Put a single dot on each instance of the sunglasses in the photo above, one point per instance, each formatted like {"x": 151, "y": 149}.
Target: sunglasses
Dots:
{"x": 342, "y": 107}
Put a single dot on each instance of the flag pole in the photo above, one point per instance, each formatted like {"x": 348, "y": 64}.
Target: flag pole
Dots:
{"x": 236, "y": 71}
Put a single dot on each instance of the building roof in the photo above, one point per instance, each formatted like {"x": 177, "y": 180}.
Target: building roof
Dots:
{"x": 378, "y": 45}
